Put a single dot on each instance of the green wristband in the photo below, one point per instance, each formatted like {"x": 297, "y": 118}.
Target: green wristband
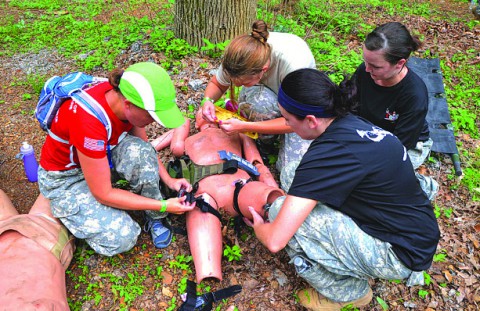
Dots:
{"x": 206, "y": 99}
{"x": 163, "y": 209}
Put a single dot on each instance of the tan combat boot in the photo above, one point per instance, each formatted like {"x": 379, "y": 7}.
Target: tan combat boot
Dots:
{"x": 312, "y": 300}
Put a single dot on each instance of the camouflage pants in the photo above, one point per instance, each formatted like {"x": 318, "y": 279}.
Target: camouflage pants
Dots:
{"x": 259, "y": 103}
{"x": 417, "y": 157}
{"x": 109, "y": 231}
{"x": 341, "y": 255}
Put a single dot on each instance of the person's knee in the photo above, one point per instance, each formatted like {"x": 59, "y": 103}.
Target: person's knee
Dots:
{"x": 115, "y": 248}
{"x": 135, "y": 148}
{"x": 142, "y": 149}
{"x": 133, "y": 156}
{"x": 112, "y": 243}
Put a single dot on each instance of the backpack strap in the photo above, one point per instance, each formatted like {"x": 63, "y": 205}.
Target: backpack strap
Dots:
{"x": 56, "y": 137}
{"x": 89, "y": 104}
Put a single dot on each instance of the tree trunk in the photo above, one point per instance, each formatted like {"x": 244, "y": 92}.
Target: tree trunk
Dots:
{"x": 214, "y": 20}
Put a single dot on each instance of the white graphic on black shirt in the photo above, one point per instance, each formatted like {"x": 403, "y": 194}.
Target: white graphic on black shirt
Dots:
{"x": 405, "y": 154}
{"x": 376, "y": 134}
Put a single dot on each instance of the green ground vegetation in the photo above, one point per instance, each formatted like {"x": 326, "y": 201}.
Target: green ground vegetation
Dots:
{"x": 95, "y": 33}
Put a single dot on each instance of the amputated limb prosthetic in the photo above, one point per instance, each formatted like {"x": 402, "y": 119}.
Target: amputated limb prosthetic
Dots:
{"x": 230, "y": 192}
{"x": 35, "y": 251}
{"x": 205, "y": 229}
{"x": 205, "y": 240}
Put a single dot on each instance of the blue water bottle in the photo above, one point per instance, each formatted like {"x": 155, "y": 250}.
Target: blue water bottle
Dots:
{"x": 30, "y": 164}
{"x": 301, "y": 264}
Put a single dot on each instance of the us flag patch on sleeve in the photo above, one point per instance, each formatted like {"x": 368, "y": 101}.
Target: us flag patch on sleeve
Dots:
{"x": 94, "y": 144}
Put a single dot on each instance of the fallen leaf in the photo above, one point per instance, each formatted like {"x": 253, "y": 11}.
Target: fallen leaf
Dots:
{"x": 448, "y": 276}
{"x": 474, "y": 241}
{"x": 477, "y": 228}
{"x": 167, "y": 278}
{"x": 166, "y": 291}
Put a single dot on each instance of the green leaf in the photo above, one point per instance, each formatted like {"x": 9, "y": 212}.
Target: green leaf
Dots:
{"x": 382, "y": 303}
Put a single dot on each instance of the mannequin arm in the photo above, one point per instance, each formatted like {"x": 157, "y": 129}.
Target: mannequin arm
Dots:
{"x": 178, "y": 140}
{"x": 251, "y": 154}
{"x": 162, "y": 141}
{"x": 174, "y": 138}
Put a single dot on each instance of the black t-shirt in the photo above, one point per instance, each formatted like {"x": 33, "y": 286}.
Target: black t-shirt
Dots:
{"x": 400, "y": 109}
{"x": 365, "y": 172}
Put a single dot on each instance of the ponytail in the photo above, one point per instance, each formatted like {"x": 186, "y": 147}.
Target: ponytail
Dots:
{"x": 114, "y": 78}
{"x": 247, "y": 54}
{"x": 310, "y": 91}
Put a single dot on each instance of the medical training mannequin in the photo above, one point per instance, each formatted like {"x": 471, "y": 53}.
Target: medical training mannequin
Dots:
{"x": 35, "y": 251}
{"x": 204, "y": 229}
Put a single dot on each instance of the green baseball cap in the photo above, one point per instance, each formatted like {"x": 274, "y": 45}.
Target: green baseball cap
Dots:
{"x": 148, "y": 86}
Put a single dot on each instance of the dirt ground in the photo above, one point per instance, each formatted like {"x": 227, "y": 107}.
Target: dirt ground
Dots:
{"x": 268, "y": 281}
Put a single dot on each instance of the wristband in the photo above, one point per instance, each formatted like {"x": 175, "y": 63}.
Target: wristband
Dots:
{"x": 206, "y": 99}
{"x": 163, "y": 209}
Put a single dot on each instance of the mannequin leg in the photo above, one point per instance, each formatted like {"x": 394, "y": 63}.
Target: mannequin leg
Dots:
{"x": 6, "y": 207}
{"x": 205, "y": 240}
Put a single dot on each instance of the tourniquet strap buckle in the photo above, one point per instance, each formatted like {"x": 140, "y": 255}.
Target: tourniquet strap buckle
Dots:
{"x": 205, "y": 302}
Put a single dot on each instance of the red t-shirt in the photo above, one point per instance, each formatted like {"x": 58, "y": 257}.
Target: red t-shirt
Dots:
{"x": 83, "y": 131}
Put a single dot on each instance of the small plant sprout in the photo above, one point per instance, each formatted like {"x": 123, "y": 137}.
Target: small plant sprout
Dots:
{"x": 182, "y": 286}
{"x": 440, "y": 257}
{"x": 232, "y": 253}
{"x": 214, "y": 49}
{"x": 427, "y": 278}
{"x": 173, "y": 304}
{"x": 26, "y": 96}
{"x": 382, "y": 303}
{"x": 422, "y": 293}
{"x": 181, "y": 262}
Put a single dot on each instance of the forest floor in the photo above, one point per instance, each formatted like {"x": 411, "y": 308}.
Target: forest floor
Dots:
{"x": 148, "y": 279}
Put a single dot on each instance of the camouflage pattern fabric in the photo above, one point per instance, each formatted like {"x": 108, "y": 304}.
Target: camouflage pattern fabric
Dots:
{"x": 109, "y": 231}
{"x": 341, "y": 255}
{"x": 259, "y": 103}
{"x": 418, "y": 155}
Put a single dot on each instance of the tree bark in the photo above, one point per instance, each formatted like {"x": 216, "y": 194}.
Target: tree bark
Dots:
{"x": 214, "y": 20}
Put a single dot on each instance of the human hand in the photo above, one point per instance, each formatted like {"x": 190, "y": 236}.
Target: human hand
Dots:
{"x": 179, "y": 183}
{"x": 256, "y": 218}
{"x": 208, "y": 111}
{"x": 232, "y": 126}
{"x": 179, "y": 205}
